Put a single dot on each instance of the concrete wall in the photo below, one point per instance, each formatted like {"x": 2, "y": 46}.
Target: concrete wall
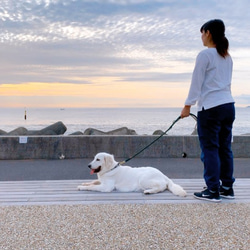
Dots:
{"x": 52, "y": 147}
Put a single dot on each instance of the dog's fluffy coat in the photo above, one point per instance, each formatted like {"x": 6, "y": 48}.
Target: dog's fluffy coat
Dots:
{"x": 127, "y": 179}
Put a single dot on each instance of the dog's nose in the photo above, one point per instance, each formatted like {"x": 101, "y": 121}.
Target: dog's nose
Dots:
{"x": 89, "y": 166}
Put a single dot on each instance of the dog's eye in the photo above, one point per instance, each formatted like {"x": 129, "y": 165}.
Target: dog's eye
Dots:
{"x": 97, "y": 159}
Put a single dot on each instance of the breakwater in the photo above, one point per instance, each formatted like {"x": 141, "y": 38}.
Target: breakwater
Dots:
{"x": 82, "y": 146}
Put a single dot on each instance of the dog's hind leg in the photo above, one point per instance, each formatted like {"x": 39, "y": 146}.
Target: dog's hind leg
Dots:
{"x": 153, "y": 186}
{"x": 153, "y": 190}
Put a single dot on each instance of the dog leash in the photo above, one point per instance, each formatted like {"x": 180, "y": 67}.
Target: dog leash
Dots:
{"x": 174, "y": 122}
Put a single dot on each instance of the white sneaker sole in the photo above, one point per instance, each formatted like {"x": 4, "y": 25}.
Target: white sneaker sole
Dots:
{"x": 207, "y": 199}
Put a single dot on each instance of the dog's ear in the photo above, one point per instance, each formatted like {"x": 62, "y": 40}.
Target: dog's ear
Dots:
{"x": 109, "y": 160}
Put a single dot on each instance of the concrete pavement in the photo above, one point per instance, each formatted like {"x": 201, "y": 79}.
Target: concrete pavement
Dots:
{"x": 75, "y": 169}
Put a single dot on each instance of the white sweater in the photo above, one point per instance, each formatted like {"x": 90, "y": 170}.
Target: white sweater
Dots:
{"x": 211, "y": 80}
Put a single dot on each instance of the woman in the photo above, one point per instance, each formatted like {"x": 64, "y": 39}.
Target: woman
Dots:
{"x": 211, "y": 89}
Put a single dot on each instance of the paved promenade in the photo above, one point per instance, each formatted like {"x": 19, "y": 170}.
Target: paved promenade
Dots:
{"x": 64, "y": 192}
{"x": 40, "y": 208}
{"x": 75, "y": 169}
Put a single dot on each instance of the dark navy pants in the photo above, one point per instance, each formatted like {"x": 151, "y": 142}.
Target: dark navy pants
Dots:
{"x": 215, "y": 134}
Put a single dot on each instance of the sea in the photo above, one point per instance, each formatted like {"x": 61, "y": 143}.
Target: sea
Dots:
{"x": 143, "y": 120}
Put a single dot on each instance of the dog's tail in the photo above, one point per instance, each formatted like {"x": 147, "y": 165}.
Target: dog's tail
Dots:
{"x": 176, "y": 189}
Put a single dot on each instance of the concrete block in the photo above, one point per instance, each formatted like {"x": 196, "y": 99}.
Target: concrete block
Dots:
{"x": 82, "y": 146}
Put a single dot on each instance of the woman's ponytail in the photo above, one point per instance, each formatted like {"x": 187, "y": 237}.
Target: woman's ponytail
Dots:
{"x": 222, "y": 46}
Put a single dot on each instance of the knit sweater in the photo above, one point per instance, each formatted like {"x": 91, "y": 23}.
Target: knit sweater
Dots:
{"x": 211, "y": 80}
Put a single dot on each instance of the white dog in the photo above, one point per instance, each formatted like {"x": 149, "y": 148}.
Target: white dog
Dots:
{"x": 111, "y": 175}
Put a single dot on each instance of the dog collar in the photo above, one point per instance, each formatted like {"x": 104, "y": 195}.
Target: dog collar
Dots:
{"x": 117, "y": 165}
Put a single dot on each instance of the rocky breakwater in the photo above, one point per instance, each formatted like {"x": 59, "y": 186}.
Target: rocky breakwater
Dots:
{"x": 119, "y": 131}
{"x": 57, "y": 128}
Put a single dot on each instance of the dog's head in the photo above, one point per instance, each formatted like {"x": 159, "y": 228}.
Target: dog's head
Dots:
{"x": 102, "y": 163}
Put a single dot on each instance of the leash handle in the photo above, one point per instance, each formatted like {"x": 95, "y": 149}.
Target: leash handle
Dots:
{"x": 193, "y": 116}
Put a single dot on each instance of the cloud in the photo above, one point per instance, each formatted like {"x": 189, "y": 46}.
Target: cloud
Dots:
{"x": 44, "y": 33}
{"x": 74, "y": 41}
{"x": 157, "y": 77}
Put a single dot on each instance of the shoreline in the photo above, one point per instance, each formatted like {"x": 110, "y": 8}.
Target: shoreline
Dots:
{"x": 143, "y": 120}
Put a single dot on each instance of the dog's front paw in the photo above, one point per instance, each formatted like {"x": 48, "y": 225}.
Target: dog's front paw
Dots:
{"x": 85, "y": 184}
{"x": 80, "y": 188}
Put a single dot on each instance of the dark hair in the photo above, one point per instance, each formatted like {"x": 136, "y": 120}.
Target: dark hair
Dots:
{"x": 217, "y": 31}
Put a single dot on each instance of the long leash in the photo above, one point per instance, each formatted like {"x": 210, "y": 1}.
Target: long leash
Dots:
{"x": 174, "y": 122}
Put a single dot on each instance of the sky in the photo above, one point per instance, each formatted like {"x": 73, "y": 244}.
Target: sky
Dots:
{"x": 111, "y": 53}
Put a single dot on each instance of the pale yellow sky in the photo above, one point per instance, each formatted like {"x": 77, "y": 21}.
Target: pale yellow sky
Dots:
{"x": 105, "y": 94}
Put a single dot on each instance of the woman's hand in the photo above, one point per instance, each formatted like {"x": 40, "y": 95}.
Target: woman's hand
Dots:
{"x": 185, "y": 111}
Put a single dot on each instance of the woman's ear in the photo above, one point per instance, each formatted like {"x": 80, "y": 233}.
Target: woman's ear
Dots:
{"x": 207, "y": 33}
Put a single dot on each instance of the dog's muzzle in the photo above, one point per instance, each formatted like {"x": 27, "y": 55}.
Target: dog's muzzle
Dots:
{"x": 94, "y": 170}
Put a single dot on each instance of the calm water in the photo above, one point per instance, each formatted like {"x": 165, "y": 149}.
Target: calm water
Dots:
{"x": 142, "y": 120}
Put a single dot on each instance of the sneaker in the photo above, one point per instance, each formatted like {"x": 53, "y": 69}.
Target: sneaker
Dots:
{"x": 227, "y": 193}
{"x": 208, "y": 196}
